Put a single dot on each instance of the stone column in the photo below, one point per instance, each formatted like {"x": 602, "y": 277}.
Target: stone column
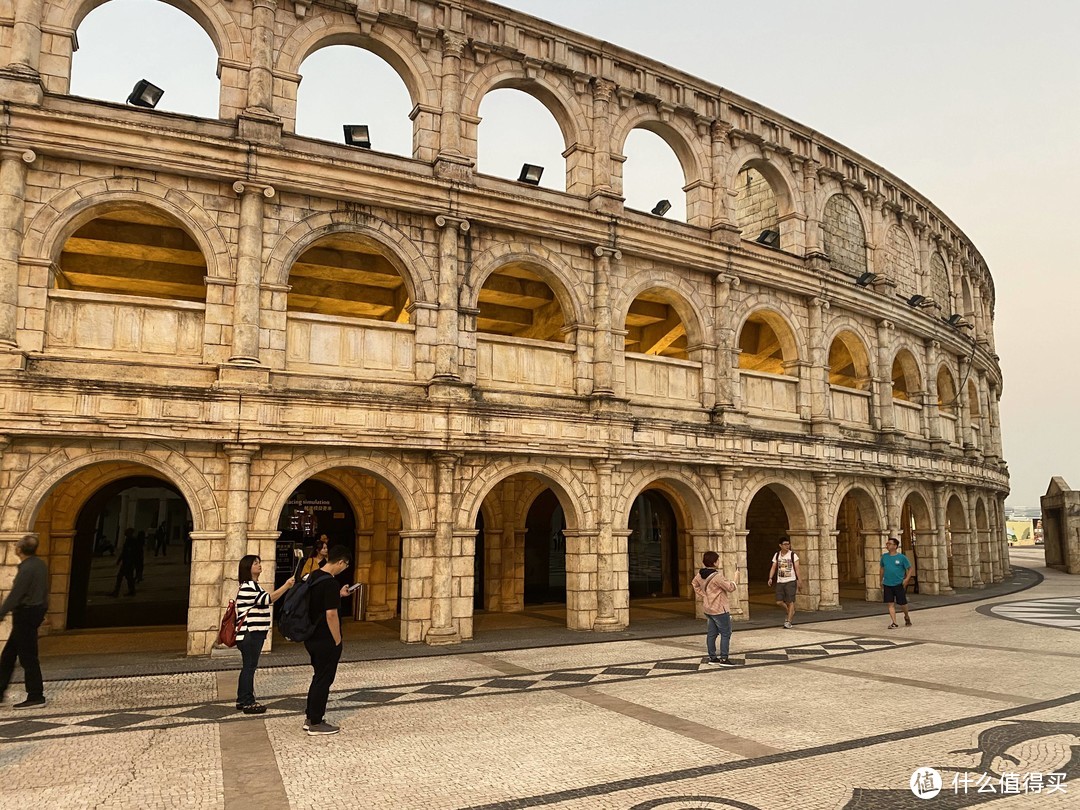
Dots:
{"x": 967, "y": 435}
{"x": 828, "y": 581}
{"x": 446, "y": 351}
{"x": 451, "y": 163}
{"x": 726, "y": 350}
{"x": 883, "y": 378}
{"x": 222, "y": 571}
{"x": 261, "y": 77}
{"x": 604, "y": 196}
{"x": 893, "y": 508}
{"x": 605, "y": 551}
{"x": 732, "y": 544}
{"x": 810, "y": 205}
{"x": 581, "y": 576}
{"x": 463, "y": 579}
{"x": 820, "y": 410}
{"x": 930, "y": 406}
{"x": 995, "y": 421}
{"x": 442, "y": 630}
{"x": 1001, "y": 538}
{"x": 940, "y": 553}
{"x": 417, "y": 567}
{"x": 604, "y": 356}
{"x": 245, "y": 338}
{"x": 13, "y": 168}
{"x": 723, "y": 222}
{"x": 986, "y": 430}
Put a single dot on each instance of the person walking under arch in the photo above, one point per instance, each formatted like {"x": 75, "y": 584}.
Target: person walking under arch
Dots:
{"x": 895, "y": 574}
{"x": 253, "y": 623}
{"x": 125, "y": 564}
{"x": 785, "y": 572}
{"x": 317, "y": 559}
{"x": 713, "y": 588}
{"x": 27, "y": 603}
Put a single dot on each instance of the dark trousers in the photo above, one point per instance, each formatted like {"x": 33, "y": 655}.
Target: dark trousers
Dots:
{"x": 250, "y": 650}
{"x": 325, "y": 655}
{"x": 121, "y": 575}
{"x": 23, "y": 644}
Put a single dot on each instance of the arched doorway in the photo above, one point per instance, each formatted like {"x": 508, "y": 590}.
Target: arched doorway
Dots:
{"x": 957, "y": 550}
{"x": 314, "y": 509}
{"x": 773, "y": 513}
{"x": 653, "y": 547}
{"x": 858, "y": 547}
{"x": 151, "y": 516}
{"x": 545, "y": 551}
{"x": 917, "y": 541}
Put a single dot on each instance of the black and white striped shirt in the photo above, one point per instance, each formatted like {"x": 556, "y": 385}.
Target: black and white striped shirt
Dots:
{"x": 253, "y": 607}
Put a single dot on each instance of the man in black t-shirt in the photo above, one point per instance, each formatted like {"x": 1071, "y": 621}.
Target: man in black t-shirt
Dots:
{"x": 324, "y": 645}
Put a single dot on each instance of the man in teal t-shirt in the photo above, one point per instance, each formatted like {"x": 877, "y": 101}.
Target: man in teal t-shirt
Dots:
{"x": 895, "y": 573}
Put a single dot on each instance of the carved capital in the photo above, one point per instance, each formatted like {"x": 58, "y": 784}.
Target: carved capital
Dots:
{"x": 603, "y": 90}
{"x": 454, "y": 44}
{"x": 600, "y": 251}
{"x": 448, "y": 221}
{"x": 15, "y": 153}
{"x": 248, "y": 187}
{"x": 720, "y": 130}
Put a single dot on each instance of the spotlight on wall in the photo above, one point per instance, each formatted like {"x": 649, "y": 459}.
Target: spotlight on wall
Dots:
{"x": 866, "y": 279}
{"x": 661, "y": 208}
{"x": 769, "y": 238}
{"x": 956, "y": 320}
{"x": 920, "y": 302}
{"x": 357, "y": 135}
{"x": 145, "y": 94}
{"x": 530, "y": 174}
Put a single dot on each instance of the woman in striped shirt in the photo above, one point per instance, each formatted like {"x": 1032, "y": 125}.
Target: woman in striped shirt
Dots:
{"x": 252, "y": 625}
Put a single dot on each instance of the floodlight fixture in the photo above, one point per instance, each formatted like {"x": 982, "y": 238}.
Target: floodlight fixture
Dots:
{"x": 145, "y": 94}
{"x": 769, "y": 238}
{"x": 921, "y": 302}
{"x": 530, "y": 174}
{"x": 661, "y": 208}
{"x": 866, "y": 279}
{"x": 357, "y": 135}
{"x": 956, "y": 320}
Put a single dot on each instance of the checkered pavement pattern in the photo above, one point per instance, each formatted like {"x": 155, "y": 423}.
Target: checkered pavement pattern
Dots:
{"x": 41, "y": 726}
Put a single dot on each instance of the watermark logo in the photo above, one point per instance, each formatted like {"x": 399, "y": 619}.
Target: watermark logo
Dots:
{"x": 925, "y": 783}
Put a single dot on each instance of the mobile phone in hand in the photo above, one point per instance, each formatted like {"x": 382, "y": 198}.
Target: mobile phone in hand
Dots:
{"x": 353, "y": 587}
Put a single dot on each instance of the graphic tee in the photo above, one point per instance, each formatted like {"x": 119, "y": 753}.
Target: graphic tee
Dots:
{"x": 785, "y": 566}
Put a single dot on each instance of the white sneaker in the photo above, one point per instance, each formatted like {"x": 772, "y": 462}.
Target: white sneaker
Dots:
{"x": 787, "y": 625}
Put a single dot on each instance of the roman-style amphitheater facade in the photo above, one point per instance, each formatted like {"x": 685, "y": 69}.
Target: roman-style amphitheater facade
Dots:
{"x": 508, "y": 394}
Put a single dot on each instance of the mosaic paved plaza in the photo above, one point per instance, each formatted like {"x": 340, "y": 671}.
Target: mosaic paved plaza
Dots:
{"x": 836, "y": 714}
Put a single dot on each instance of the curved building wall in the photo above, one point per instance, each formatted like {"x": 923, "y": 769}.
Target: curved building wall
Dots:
{"x": 443, "y": 347}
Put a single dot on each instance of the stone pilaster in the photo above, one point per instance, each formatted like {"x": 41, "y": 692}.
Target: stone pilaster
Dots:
{"x": 930, "y": 406}
{"x": 378, "y": 607}
{"x": 604, "y": 356}
{"x": 822, "y": 422}
{"x": 451, "y": 163}
{"x": 447, "y": 370}
{"x": 606, "y": 620}
{"x": 828, "y": 585}
{"x": 442, "y": 629}
{"x": 237, "y": 506}
{"x": 258, "y": 122}
{"x": 940, "y": 549}
{"x": 882, "y": 373}
{"x": 245, "y": 337}
{"x": 13, "y": 169}
{"x": 417, "y": 584}
{"x": 604, "y": 195}
{"x": 20, "y": 80}
{"x": 581, "y": 578}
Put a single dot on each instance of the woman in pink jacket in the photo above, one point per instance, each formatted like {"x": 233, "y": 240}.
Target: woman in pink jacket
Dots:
{"x": 713, "y": 589}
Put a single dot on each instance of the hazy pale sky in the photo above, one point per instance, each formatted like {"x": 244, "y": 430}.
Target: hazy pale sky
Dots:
{"x": 972, "y": 102}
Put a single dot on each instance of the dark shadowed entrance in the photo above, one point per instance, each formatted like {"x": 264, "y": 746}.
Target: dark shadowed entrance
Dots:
{"x": 545, "y": 551}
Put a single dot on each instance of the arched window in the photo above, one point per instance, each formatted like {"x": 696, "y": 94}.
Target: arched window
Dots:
{"x": 372, "y": 93}
{"x": 124, "y": 41}
{"x": 133, "y": 251}
{"x": 845, "y": 238}
{"x": 351, "y": 276}
{"x": 653, "y": 326}
{"x": 516, "y": 129}
{"x": 756, "y": 209}
{"x": 940, "y": 286}
{"x": 849, "y": 365}
{"x": 905, "y": 376}
{"x": 901, "y": 265}
{"x": 946, "y": 390}
{"x": 766, "y": 344}
{"x": 516, "y": 301}
{"x": 652, "y": 173}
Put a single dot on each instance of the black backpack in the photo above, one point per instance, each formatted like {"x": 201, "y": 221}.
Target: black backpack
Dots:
{"x": 295, "y": 620}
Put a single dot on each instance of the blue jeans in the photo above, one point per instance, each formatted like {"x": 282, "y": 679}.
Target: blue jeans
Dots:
{"x": 719, "y": 625}
{"x": 250, "y": 650}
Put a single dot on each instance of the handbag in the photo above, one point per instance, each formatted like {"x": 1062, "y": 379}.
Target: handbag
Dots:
{"x": 230, "y": 623}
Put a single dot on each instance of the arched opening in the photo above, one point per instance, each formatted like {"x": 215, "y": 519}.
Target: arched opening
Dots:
{"x": 900, "y": 265}
{"x": 652, "y": 172}
{"x": 516, "y": 128}
{"x": 858, "y": 547}
{"x": 957, "y": 553}
{"x": 169, "y": 49}
{"x": 975, "y": 414}
{"x": 917, "y": 537}
{"x": 988, "y": 555}
{"x": 773, "y": 513}
{"x": 516, "y": 301}
{"x": 133, "y": 250}
{"x": 849, "y": 379}
{"x": 131, "y": 556}
{"x": 844, "y": 236}
{"x": 654, "y": 327}
{"x": 969, "y": 301}
{"x": 767, "y": 368}
{"x": 376, "y": 97}
{"x": 653, "y": 548}
{"x": 545, "y": 551}
{"x": 756, "y": 207}
{"x": 947, "y": 400}
{"x": 940, "y": 285}
{"x": 907, "y": 393}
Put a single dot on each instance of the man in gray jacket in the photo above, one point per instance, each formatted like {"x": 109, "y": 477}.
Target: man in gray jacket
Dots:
{"x": 27, "y": 604}
{"x": 713, "y": 589}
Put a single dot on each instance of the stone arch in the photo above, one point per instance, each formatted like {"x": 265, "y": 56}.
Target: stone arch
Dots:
{"x": 561, "y": 479}
{"x": 790, "y": 491}
{"x": 868, "y": 497}
{"x": 395, "y": 48}
{"x": 858, "y": 546}
{"x": 948, "y": 393}
{"x": 691, "y": 494}
{"x": 682, "y": 138}
{"x": 548, "y": 88}
{"x": 854, "y": 343}
{"x": 72, "y": 208}
{"x": 549, "y": 265}
{"x": 844, "y": 228}
{"x": 685, "y": 299}
{"x": 781, "y": 321}
{"x": 27, "y": 495}
{"x": 906, "y": 374}
{"x": 940, "y": 283}
{"x": 213, "y": 18}
{"x": 409, "y": 491}
{"x": 777, "y": 173}
{"x": 401, "y": 251}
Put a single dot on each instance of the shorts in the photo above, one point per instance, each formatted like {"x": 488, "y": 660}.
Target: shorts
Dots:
{"x": 896, "y": 593}
{"x": 785, "y": 591}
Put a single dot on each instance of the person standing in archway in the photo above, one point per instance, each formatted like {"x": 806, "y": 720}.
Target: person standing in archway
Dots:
{"x": 895, "y": 573}
{"x": 785, "y": 572}
{"x": 713, "y": 588}
{"x": 27, "y": 603}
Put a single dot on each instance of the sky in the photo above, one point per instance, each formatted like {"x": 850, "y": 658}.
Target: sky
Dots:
{"x": 972, "y": 102}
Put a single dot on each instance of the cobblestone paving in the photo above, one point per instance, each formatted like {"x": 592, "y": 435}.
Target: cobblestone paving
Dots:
{"x": 831, "y": 715}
